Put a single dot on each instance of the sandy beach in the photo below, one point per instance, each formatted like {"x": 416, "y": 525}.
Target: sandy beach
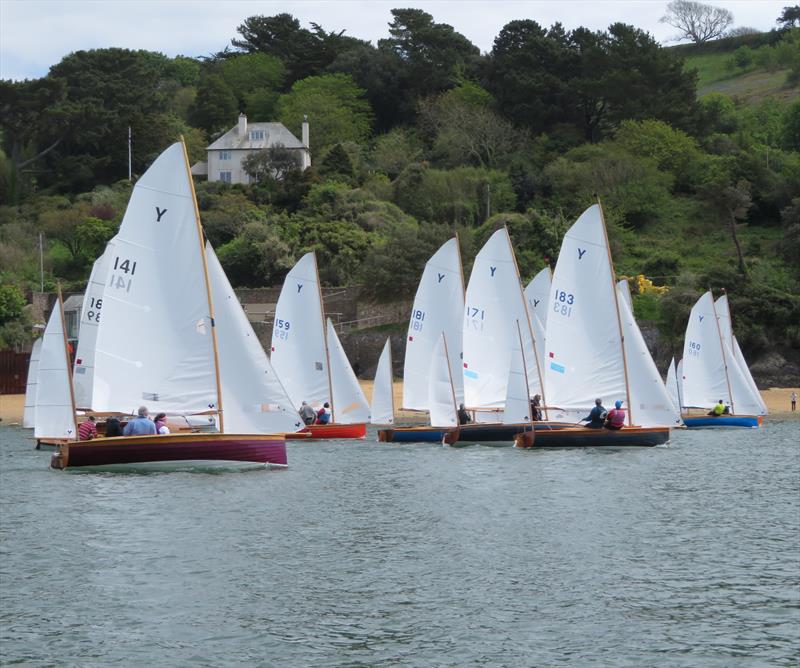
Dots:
{"x": 776, "y": 398}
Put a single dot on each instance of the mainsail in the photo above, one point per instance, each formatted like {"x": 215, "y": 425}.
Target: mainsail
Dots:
{"x": 438, "y": 307}
{"x": 255, "y": 400}
{"x": 494, "y": 301}
{"x": 673, "y": 384}
{"x": 155, "y": 346}
{"x": 83, "y": 371}
{"x": 55, "y": 406}
{"x": 29, "y": 413}
{"x": 518, "y": 402}
{"x": 584, "y": 351}
{"x": 382, "y": 409}
{"x": 299, "y": 350}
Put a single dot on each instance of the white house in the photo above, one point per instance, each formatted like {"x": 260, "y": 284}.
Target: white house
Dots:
{"x": 225, "y": 155}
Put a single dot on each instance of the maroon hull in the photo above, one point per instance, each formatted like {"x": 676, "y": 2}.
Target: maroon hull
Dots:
{"x": 267, "y": 449}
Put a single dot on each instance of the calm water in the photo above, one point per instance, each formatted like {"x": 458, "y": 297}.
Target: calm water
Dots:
{"x": 367, "y": 554}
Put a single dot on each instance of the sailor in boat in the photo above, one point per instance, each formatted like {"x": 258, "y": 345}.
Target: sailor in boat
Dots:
{"x": 536, "y": 411}
{"x": 324, "y": 414}
{"x": 463, "y": 415}
{"x": 141, "y": 425}
{"x": 113, "y": 427}
{"x": 161, "y": 424}
{"x": 720, "y": 409}
{"x": 308, "y": 414}
{"x": 616, "y": 417}
{"x": 87, "y": 430}
{"x": 597, "y": 416}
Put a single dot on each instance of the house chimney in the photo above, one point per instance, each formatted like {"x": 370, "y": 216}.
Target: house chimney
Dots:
{"x": 306, "y": 154}
{"x": 242, "y": 126}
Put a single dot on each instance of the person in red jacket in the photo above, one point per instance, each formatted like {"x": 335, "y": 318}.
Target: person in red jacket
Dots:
{"x": 616, "y": 417}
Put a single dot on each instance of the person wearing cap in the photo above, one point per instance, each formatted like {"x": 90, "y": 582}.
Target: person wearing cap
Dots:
{"x": 597, "y": 416}
{"x": 616, "y": 417}
{"x": 140, "y": 425}
{"x": 307, "y": 413}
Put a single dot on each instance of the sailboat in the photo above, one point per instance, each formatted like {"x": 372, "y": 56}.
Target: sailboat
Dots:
{"x": 438, "y": 307}
{"x": 441, "y": 403}
{"x": 157, "y": 341}
{"x": 382, "y": 407}
{"x": 309, "y": 359}
{"x": 593, "y": 349}
{"x": 673, "y": 383}
{"x": 711, "y": 371}
{"x": 29, "y": 412}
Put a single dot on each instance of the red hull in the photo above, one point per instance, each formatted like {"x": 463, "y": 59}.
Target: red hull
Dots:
{"x": 320, "y": 431}
{"x": 212, "y": 447}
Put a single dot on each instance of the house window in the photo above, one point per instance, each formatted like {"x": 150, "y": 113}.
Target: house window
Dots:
{"x": 224, "y": 155}
{"x": 225, "y": 177}
{"x": 256, "y": 134}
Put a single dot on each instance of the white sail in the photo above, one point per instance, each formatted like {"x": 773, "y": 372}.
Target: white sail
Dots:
{"x": 255, "y": 401}
{"x": 55, "y": 412}
{"x": 349, "y": 404}
{"x": 739, "y": 357}
{"x": 494, "y": 301}
{"x": 744, "y": 400}
{"x": 518, "y": 402}
{"x": 651, "y": 405}
{"x": 441, "y": 397}
{"x": 704, "y": 377}
{"x": 83, "y": 370}
{"x": 438, "y": 307}
{"x": 672, "y": 385}
{"x": 299, "y": 354}
{"x": 537, "y": 297}
{"x": 752, "y": 396}
{"x": 624, "y": 291}
{"x": 154, "y": 346}
{"x": 382, "y": 409}
{"x": 584, "y": 352}
{"x": 29, "y": 413}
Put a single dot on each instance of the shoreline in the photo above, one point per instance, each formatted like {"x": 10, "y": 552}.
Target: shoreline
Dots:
{"x": 776, "y": 398}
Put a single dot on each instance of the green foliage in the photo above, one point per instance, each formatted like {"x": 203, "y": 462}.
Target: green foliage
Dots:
{"x": 335, "y": 106}
{"x": 258, "y": 256}
{"x": 215, "y": 108}
{"x": 256, "y": 79}
{"x": 12, "y": 301}
{"x": 395, "y": 150}
{"x": 338, "y": 166}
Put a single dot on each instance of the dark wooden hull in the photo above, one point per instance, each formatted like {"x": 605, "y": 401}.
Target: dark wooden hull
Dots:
{"x": 330, "y": 431}
{"x": 478, "y": 432}
{"x": 200, "y": 450}
{"x": 583, "y": 437}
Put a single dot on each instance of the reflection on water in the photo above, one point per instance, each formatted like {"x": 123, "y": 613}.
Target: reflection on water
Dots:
{"x": 367, "y": 554}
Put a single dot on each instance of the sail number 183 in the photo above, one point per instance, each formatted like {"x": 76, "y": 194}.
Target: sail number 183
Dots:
{"x": 563, "y": 303}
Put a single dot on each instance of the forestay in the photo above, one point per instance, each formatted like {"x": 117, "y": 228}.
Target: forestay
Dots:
{"x": 518, "y": 403}
{"x": 154, "y": 346}
{"x": 494, "y": 302}
{"x": 584, "y": 351}
{"x": 29, "y": 412}
{"x": 254, "y": 399}
{"x": 382, "y": 409}
{"x": 83, "y": 370}
{"x": 349, "y": 404}
{"x": 441, "y": 398}
{"x": 438, "y": 307}
{"x": 299, "y": 354}
{"x": 55, "y": 410}
{"x": 537, "y": 297}
{"x": 651, "y": 405}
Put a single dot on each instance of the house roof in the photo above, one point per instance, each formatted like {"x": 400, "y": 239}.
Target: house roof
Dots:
{"x": 73, "y": 303}
{"x": 200, "y": 169}
{"x": 274, "y": 133}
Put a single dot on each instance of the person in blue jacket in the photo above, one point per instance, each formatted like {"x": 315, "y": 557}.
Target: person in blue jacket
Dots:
{"x": 597, "y": 416}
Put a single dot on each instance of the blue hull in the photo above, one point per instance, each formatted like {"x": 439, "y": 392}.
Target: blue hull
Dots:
{"x": 751, "y": 421}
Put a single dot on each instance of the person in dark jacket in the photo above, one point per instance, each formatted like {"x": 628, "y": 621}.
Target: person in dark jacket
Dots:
{"x": 113, "y": 427}
{"x": 597, "y": 416}
{"x": 463, "y": 415}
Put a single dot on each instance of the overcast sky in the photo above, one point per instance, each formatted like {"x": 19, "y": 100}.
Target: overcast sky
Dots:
{"x": 35, "y": 34}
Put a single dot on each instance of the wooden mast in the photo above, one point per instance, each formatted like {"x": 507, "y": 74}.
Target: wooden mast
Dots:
{"x": 722, "y": 348}
{"x": 450, "y": 374}
{"x": 69, "y": 360}
{"x": 525, "y": 372}
{"x": 325, "y": 338}
{"x": 530, "y": 328}
{"x": 619, "y": 319}
{"x": 391, "y": 378}
{"x": 201, "y": 239}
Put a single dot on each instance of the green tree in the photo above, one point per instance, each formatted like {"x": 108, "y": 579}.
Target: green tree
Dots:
{"x": 335, "y": 107}
{"x": 256, "y": 79}
{"x": 696, "y": 21}
{"x": 257, "y": 257}
{"x": 276, "y": 162}
{"x": 215, "y": 107}
{"x": 729, "y": 202}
